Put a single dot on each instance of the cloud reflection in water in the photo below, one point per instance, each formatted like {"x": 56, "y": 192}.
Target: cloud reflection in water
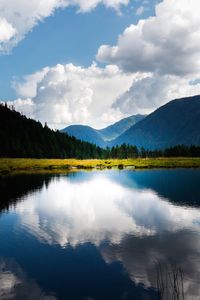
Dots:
{"x": 14, "y": 284}
{"x": 99, "y": 209}
{"x": 131, "y": 225}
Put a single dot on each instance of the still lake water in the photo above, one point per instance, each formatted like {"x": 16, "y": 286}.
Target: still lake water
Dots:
{"x": 99, "y": 235}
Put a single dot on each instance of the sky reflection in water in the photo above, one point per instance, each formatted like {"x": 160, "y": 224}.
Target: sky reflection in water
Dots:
{"x": 118, "y": 218}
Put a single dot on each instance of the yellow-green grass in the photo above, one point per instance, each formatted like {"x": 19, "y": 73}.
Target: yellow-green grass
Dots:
{"x": 13, "y": 165}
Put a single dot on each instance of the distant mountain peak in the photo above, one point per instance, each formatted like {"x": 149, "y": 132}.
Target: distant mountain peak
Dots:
{"x": 102, "y": 137}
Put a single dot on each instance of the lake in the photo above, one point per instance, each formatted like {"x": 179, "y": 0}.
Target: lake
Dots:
{"x": 101, "y": 235}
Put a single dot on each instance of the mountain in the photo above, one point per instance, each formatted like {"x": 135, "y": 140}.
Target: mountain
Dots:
{"x": 23, "y": 137}
{"x": 177, "y": 122}
{"x": 85, "y": 133}
{"x": 102, "y": 137}
{"x": 113, "y": 131}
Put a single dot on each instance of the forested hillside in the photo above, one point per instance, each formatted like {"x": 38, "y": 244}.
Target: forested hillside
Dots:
{"x": 85, "y": 133}
{"x": 23, "y": 137}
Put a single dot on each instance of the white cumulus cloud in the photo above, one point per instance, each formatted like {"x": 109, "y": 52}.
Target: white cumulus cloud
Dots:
{"x": 167, "y": 43}
{"x": 150, "y": 92}
{"x": 167, "y": 47}
{"x": 153, "y": 62}
{"x": 67, "y": 94}
{"x": 7, "y": 31}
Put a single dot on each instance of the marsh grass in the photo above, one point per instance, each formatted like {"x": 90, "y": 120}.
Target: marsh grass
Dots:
{"x": 10, "y": 165}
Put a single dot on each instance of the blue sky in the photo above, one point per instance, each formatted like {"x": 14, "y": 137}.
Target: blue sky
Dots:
{"x": 146, "y": 53}
{"x": 66, "y": 37}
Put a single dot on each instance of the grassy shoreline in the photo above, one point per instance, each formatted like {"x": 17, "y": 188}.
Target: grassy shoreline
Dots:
{"x": 14, "y": 165}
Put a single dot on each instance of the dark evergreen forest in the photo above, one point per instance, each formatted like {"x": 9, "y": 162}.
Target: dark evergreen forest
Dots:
{"x": 24, "y": 137}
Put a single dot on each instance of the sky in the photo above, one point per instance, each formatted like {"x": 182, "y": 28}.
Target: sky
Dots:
{"x": 94, "y": 62}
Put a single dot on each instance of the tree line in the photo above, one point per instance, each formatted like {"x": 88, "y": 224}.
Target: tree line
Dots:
{"x": 128, "y": 151}
{"x": 24, "y": 137}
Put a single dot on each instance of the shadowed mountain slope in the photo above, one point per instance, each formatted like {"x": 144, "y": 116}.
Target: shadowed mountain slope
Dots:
{"x": 177, "y": 122}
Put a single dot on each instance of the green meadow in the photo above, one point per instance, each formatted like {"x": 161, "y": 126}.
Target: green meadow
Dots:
{"x": 14, "y": 165}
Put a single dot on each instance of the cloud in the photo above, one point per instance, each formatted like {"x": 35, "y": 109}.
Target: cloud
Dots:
{"x": 20, "y": 16}
{"x": 86, "y": 5}
{"x": 150, "y": 92}
{"x": 25, "y": 106}
{"x": 7, "y": 31}
{"x": 28, "y": 87}
{"x": 166, "y": 47}
{"x": 167, "y": 43}
{"x": 14, "y": 283}
{"x": 67, "y": 94}
{"x": 140, "y": 10}
{"x": 153, "y": 62}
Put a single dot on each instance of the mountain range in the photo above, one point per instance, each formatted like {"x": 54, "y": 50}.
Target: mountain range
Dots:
{"x": 177, "y": 122}
{"x": 102, "y": 137}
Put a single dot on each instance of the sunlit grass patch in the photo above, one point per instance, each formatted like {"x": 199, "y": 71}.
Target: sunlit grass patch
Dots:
{"x": 9, "y": 165}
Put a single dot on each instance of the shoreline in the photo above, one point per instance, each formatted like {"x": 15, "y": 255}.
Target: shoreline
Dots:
{"x": 16, "y": 165}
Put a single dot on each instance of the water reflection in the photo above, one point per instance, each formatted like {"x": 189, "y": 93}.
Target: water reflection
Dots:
{"x": 99, "y": 209}
{"x": 15, "y": 285}
{"x": 14, "y": 188}
{"x": 140, "y": 257}
{"x": 126, "y": 219}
